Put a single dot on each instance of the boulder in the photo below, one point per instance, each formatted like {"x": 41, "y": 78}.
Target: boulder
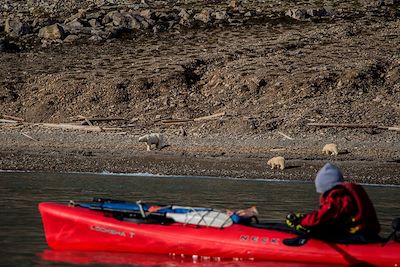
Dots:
{"x": 78, "y": 16}
{"x": 144, "y": 24}
{"x": 71, "y": 38}
{"x": 95, "y": 39}
{"x": 52, "y": 32}
{"x": 220, "y": 15}
{"x": 95, "y": 15}
{"x": 132, "y": 23}
{"x": 233, "y": 4}
{"x": 184, "y": 14}
{"x": 118, "y": 19}
{"x": 99, "y": 33}
{"x": 147, "y": 14}
{"x": 301, "y": 14}
{"x": 298, "y": 14}
{"x": 184, "y": 17}
{"x": 14, "y": 27}
{"x": 94, "y": 23}
{"x": 204, "y": 16}
{"x": 74, "y": 26}
{"x": 316, "y": 12}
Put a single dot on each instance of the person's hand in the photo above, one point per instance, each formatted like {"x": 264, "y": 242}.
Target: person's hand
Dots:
{"x": 252, "y": 211}
{"x": 293, "y": 220}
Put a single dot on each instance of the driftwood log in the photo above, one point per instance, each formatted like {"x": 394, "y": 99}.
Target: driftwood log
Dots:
{"x": 13, "y": 118}
{"x": 29, "y": 137}
{"x": 83, "y": 118}
{"x": 353, "y": 125}
{"x": 176, "y": 121}
{"x": 8, "y": 121}
{"x": 213, "y": 116}
{"x": 79, "y": 127}
{"x": 285, "y": 135}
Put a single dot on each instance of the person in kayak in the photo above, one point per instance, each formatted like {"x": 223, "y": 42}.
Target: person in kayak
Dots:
{"x": 346, "y": 212}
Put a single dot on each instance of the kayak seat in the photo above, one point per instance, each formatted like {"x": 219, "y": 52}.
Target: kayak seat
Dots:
{"x": 153, "y": 218}
{"x": 164, "y": 221}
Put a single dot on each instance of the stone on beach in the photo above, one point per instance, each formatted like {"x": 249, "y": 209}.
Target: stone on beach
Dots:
{"x": 52, "y": 32}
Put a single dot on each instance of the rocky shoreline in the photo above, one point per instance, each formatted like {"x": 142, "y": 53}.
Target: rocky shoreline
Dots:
{"x": 214, "y": 156}
{"x": 27, "y": 24}
{"x": 230, "y": 83}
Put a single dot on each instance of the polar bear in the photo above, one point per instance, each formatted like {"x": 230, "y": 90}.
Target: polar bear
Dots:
{"x": 153, "y": 138}
{"x": 278, "y": 162}
{"x": 330, "y": 149}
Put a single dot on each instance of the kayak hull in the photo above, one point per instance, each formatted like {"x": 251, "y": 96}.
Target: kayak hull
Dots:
{"x": 81, "y": 229}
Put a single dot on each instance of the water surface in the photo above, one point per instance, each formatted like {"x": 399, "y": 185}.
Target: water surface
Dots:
{"x": 21, "y": 233}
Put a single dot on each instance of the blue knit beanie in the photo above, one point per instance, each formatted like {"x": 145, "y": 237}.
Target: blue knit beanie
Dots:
{"x": 327, "y": 177}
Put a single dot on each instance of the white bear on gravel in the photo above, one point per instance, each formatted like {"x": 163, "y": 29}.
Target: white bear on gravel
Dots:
{"x": 153, "y": 139}
{"x": 330, "y": 149}
{"x": 278, "y": 162}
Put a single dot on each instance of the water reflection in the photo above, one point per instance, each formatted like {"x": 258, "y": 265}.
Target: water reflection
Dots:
{"x": 93, "y": 258}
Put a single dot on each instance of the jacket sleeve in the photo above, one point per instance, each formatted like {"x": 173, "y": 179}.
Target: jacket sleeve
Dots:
{"x": 335, "y": 207}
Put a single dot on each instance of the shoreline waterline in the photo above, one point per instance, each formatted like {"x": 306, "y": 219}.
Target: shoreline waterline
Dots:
{"x": 151, "y": 175}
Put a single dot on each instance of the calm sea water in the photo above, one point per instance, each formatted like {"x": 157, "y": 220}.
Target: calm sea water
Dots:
{"x": 22, "y": 241}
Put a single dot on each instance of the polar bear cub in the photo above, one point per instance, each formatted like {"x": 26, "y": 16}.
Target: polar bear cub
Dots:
{"x": 330, "y": 149}
{"x": 153, "y": 139}
{"x": 278, "y": 162}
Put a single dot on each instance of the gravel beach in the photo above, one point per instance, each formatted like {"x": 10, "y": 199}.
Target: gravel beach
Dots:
{"x": 230, "y": 84}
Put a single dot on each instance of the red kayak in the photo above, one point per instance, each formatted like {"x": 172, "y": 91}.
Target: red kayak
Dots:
{"x": 82, "y": 229}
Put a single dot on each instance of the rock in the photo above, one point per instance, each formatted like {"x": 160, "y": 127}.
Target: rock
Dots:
{"x": 184, "y": 14}
{"x": 95, "y": 15}
{"x": 3, "y": 45}
{"x": 162, "y": 16}
{"x": 147, "y": 14}
{"x": 145, "y": 24}
{"x": 14, "y": 27}
{"x": 220, "y": 15}
{"x": 135, "y": 6}
{"x": 204, "y": 16}
{"x": 78, "y": 16}
{"x": 233, "y": 4}
{"x": 314, "y": 12}
{"x": 298, "y": 14}
{"x": 329, "y": 11}
{"x": 74, "y": 26}
{"x": 95, "y": 38}
{"x": 107, "y": 18}
{"x": 182, "y": 131}
{"x": 71, "y": 38}
{"x": 132, "y": 23}
{"x": 52, "y": 32}
{"x": 184, "y": 17}
{"x": 387, "y": 2}
{"x": 301, "y": 14}
{"x": 99, "y": 33}
{"x": 94, "y": 23}
{"x": 138, "y": 17}
{"x": 118, "y": 19}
